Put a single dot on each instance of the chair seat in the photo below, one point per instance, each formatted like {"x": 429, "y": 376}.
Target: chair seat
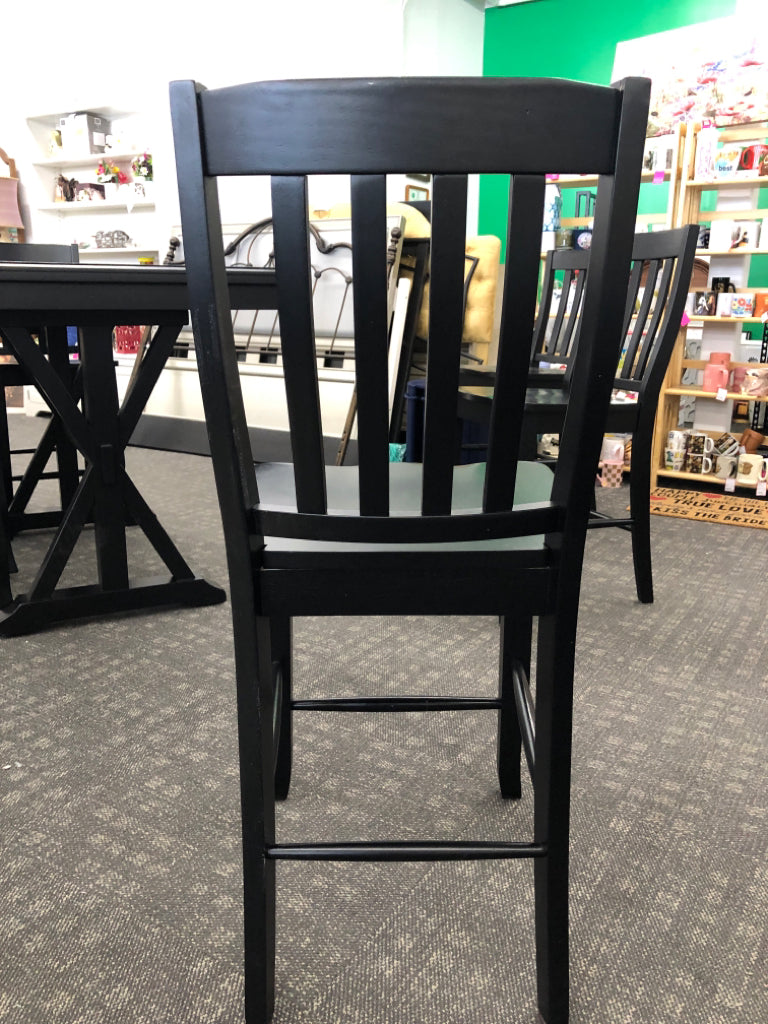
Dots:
{"x": 276, "y": 489}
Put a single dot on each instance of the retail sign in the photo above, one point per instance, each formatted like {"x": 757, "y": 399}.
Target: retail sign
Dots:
{"x": 715, "y": 70}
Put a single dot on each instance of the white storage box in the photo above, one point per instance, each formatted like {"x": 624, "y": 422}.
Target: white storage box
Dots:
{"x": 83, "y": 134}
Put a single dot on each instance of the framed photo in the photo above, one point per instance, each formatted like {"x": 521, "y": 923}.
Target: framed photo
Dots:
{"x": 416, "y": 192}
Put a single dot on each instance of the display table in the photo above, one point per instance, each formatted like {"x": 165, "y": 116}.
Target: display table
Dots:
{"x": 97, "y": 299}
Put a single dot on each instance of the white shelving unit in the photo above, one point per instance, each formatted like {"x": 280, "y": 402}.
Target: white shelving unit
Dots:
{"x": 81, "y": 221}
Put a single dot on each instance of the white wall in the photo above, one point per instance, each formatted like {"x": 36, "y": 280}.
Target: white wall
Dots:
{"x": 443, "y": 37}
{"x": 125, "y": 58}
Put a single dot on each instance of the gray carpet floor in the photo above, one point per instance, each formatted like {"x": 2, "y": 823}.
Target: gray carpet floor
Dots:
{"x": 119, "y": 845}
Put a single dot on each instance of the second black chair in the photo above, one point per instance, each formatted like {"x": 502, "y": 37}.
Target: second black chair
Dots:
{"x": 11, "y": 374}
{"x": 658, "y": 287}
{"x": 54, "y": 442}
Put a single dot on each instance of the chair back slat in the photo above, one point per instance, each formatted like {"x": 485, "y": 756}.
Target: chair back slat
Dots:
{"x": 569, "y": 332}
{"x": 638, "y": 339}
{"x": 542, "y": 322}
{"x": 526, "y": 203}
{"x": 635, "y": 280}
{"x": 657, "y": 286}
{"x": 294, "y": 288}
{"x": 446, "y": 325}
{"x": 369, "y": 277}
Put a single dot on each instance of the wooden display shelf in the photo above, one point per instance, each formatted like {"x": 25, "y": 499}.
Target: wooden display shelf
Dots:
{"x": 569, "y": 180}
{"x": 714, "y": 184}
{"x": 702, "y": 364}
{"x": 735, "y": 252}
{"x": 696, "y": 392}
{"x": 704, "y": 478}
{"x": 726, "y": 319}
{"x": 741, "y": 204}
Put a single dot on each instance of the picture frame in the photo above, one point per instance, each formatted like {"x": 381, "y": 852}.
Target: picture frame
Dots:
{"x": 415, "y": 192}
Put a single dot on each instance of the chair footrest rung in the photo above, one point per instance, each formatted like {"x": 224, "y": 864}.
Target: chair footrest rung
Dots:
{"x": 397, "y": 704}
{"x": 413, "y": 851}
{"x": 526, "y": 714}
{"x": 598, "y": 519}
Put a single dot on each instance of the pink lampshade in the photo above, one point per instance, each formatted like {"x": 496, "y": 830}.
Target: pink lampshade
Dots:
{"x": 9, "y": 203}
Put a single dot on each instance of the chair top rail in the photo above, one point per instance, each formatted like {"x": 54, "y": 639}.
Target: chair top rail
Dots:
{"x": 359, "y": 126}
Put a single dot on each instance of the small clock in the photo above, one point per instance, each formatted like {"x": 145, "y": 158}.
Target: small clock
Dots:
{"x": 582, "y": 238}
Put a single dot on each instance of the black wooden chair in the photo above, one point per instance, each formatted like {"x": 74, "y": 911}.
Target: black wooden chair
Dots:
{"x": 556, "y": 330}
{"x": 662, "y": 267}
{"x": 54, "y": 441}
{"x": 505, "y": 538}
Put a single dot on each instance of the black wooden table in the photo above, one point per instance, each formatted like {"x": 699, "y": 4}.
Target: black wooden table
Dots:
{"x": 85, "y": 407}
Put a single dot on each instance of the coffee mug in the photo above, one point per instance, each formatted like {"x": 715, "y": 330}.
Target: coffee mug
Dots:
{"x": 676, "y": 439}
{"x": 700, "y": 443}
{"x": 739, "y": 376}
{"x": 722, "y": 284}
{"x": 716, "y": 376}
{"x": 751, "y": 440}
{"x": 755, "y": 382}
{"x": 749, "y": 469}
{"x": 674, "y": 459}
{"x": 726, "y": 466}
{"x": 698, "y": 463}
{"x": 726, "y": 444}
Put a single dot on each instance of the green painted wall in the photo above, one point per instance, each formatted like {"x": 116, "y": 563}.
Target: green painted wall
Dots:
{"x": 575, "y": 39}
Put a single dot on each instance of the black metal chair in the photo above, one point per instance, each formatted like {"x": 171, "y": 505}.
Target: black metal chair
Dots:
{"x": 505, "y": 538}
{"x": 658, "y": 287}
{"x": 54, "y": 440}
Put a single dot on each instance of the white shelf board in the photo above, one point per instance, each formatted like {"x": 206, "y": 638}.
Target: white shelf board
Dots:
{"x": 87, "y": 158}
{"x": 95, "y": 206}
{"x": 127, "y": 250}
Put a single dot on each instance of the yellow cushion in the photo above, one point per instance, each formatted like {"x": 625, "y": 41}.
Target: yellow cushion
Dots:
{"x": 481, "y": 296}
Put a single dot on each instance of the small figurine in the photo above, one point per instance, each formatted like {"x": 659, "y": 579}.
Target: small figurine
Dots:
{"x": 67, "y": 188}
{"x": 170, "y": 256}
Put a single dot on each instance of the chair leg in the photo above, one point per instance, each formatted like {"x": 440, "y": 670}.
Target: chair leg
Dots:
{"x": 640, "y": 512}
{"x": 554, "y": 695}
{"x": 257, "y": 800}
{"x": 281, "y": 633}
{"x": 514, "y": 644}
{"x": 5, "y": 449}
{"x": 7, "y": 561}
{"x": 6, "y": 557}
